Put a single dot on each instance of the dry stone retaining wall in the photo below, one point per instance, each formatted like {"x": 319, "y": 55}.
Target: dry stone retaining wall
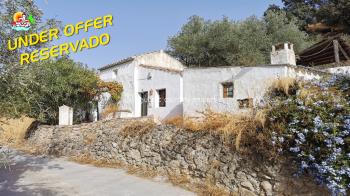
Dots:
{"x": 200, "y": 155}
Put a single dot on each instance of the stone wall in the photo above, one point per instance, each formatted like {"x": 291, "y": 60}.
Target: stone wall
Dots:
{"x": 200, "y": 155}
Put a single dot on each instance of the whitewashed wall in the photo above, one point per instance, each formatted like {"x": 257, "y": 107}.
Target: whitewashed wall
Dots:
{"x": 302, "y": 74}
{"x": 131, "y": 75}
{"x": 125, "y": 76}
{"x": 203, "y": 87}
{"x": 339, "y": 70}
{"x": 170, "y": 81}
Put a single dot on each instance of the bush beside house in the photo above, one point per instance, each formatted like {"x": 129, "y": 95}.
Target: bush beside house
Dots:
{"x": 311, "y": 124}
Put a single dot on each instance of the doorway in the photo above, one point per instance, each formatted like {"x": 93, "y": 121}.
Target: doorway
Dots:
{"x": 144, "y": 103}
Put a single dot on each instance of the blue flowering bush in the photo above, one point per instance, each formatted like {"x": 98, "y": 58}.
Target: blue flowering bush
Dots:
{"x": 311, "y": 124}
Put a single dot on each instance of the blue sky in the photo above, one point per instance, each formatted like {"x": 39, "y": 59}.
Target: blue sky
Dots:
{"x": 141, "y": 26}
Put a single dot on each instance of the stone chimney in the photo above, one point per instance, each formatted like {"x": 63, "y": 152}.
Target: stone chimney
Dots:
{"x": 283, "y": 54}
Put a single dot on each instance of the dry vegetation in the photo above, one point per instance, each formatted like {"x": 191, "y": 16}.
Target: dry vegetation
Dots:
{"x": 85, "y": 159}
{"x": 213, "y": 190}
{"x": 284, "y": 85}
{"x": 202, "y": 189}
{"x": 135, "y": 128}
{"x": 228, "y": 126}
{"x": 13, "y": 133}
{"x": 14, "y": 130}
{"x": 110, "y": 110}
{"x": 145, "y": 172}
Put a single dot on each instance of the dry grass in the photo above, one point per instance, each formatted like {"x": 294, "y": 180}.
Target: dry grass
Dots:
{"x": 13, "y": 133}
{"x": 212, "y": 190}
{"x": 179, "y": 180}
{"x": 85, "y": 159}
{"x": 205, "y": 188}
{"x": 109, "y": 111}
{"x": 260, "y": 117}
{"x": 137, "y": 127}
{"x": 144, "y": 172}
{"x": 284, "y": 85}
{"x": 14, "y": 130}
{"x": 177, "y": 121}
{"x": 224, "y": 124}
{"x": 243, "y": 132}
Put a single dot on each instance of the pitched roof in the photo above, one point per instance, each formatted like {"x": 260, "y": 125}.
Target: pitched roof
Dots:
{"x": 122, "y": 61}
{"x": 125, "y": 60}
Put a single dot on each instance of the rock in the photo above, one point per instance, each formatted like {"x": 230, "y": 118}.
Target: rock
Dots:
{"x": 241, "y": 176}
{"x": 253, "y": 174}
{"x": 254, "y": 182}
{"x": 114, "y": 144}
{"x": 135, "y": 154}
{"x": 248, "y": 185}
{"x": 146, "y": 151}
{"x": 224, "y": 158}
{"x": 174, "y": 164}
{"x": 156, "y": 160}
{"x": 272, "y": 170}
{"x": 245, "y": 192}
{"x": 201, "y": 160}
{"x": 267, "y": 187}
{"x": 266, "y": 177}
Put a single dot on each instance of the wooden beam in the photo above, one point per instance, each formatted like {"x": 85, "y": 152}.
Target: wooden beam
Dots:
{"x": 323, "y": 62}
{"x": 324, "y": 56}
{"x": 336, "y": 51}
{"x": 316, "y": 49}
{"x": 344, "y": 53}
{"x": 326, "y": 53}
{"x": 317, "y": 46}
{"x": 330, "y": 57}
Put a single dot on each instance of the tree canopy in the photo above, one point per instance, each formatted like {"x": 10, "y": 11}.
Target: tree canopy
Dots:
{"x": 227, "y": 43}
{"x": 50, "y": 84}
{"x": 58, "y": 82}
{"x": 38, "y": 89}
{"x": 7, "y": 9}
{"x": 331, "y": 12}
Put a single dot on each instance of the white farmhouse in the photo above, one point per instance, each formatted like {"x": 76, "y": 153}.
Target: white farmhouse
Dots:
{"x": 155, "y": 84}
{"x": 152, "y": 83}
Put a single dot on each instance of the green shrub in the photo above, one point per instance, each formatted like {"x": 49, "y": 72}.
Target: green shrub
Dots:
{"x": 313, "y": 127}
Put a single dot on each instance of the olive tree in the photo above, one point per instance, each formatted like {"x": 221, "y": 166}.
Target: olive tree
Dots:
{"x": 233, "y": 43}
